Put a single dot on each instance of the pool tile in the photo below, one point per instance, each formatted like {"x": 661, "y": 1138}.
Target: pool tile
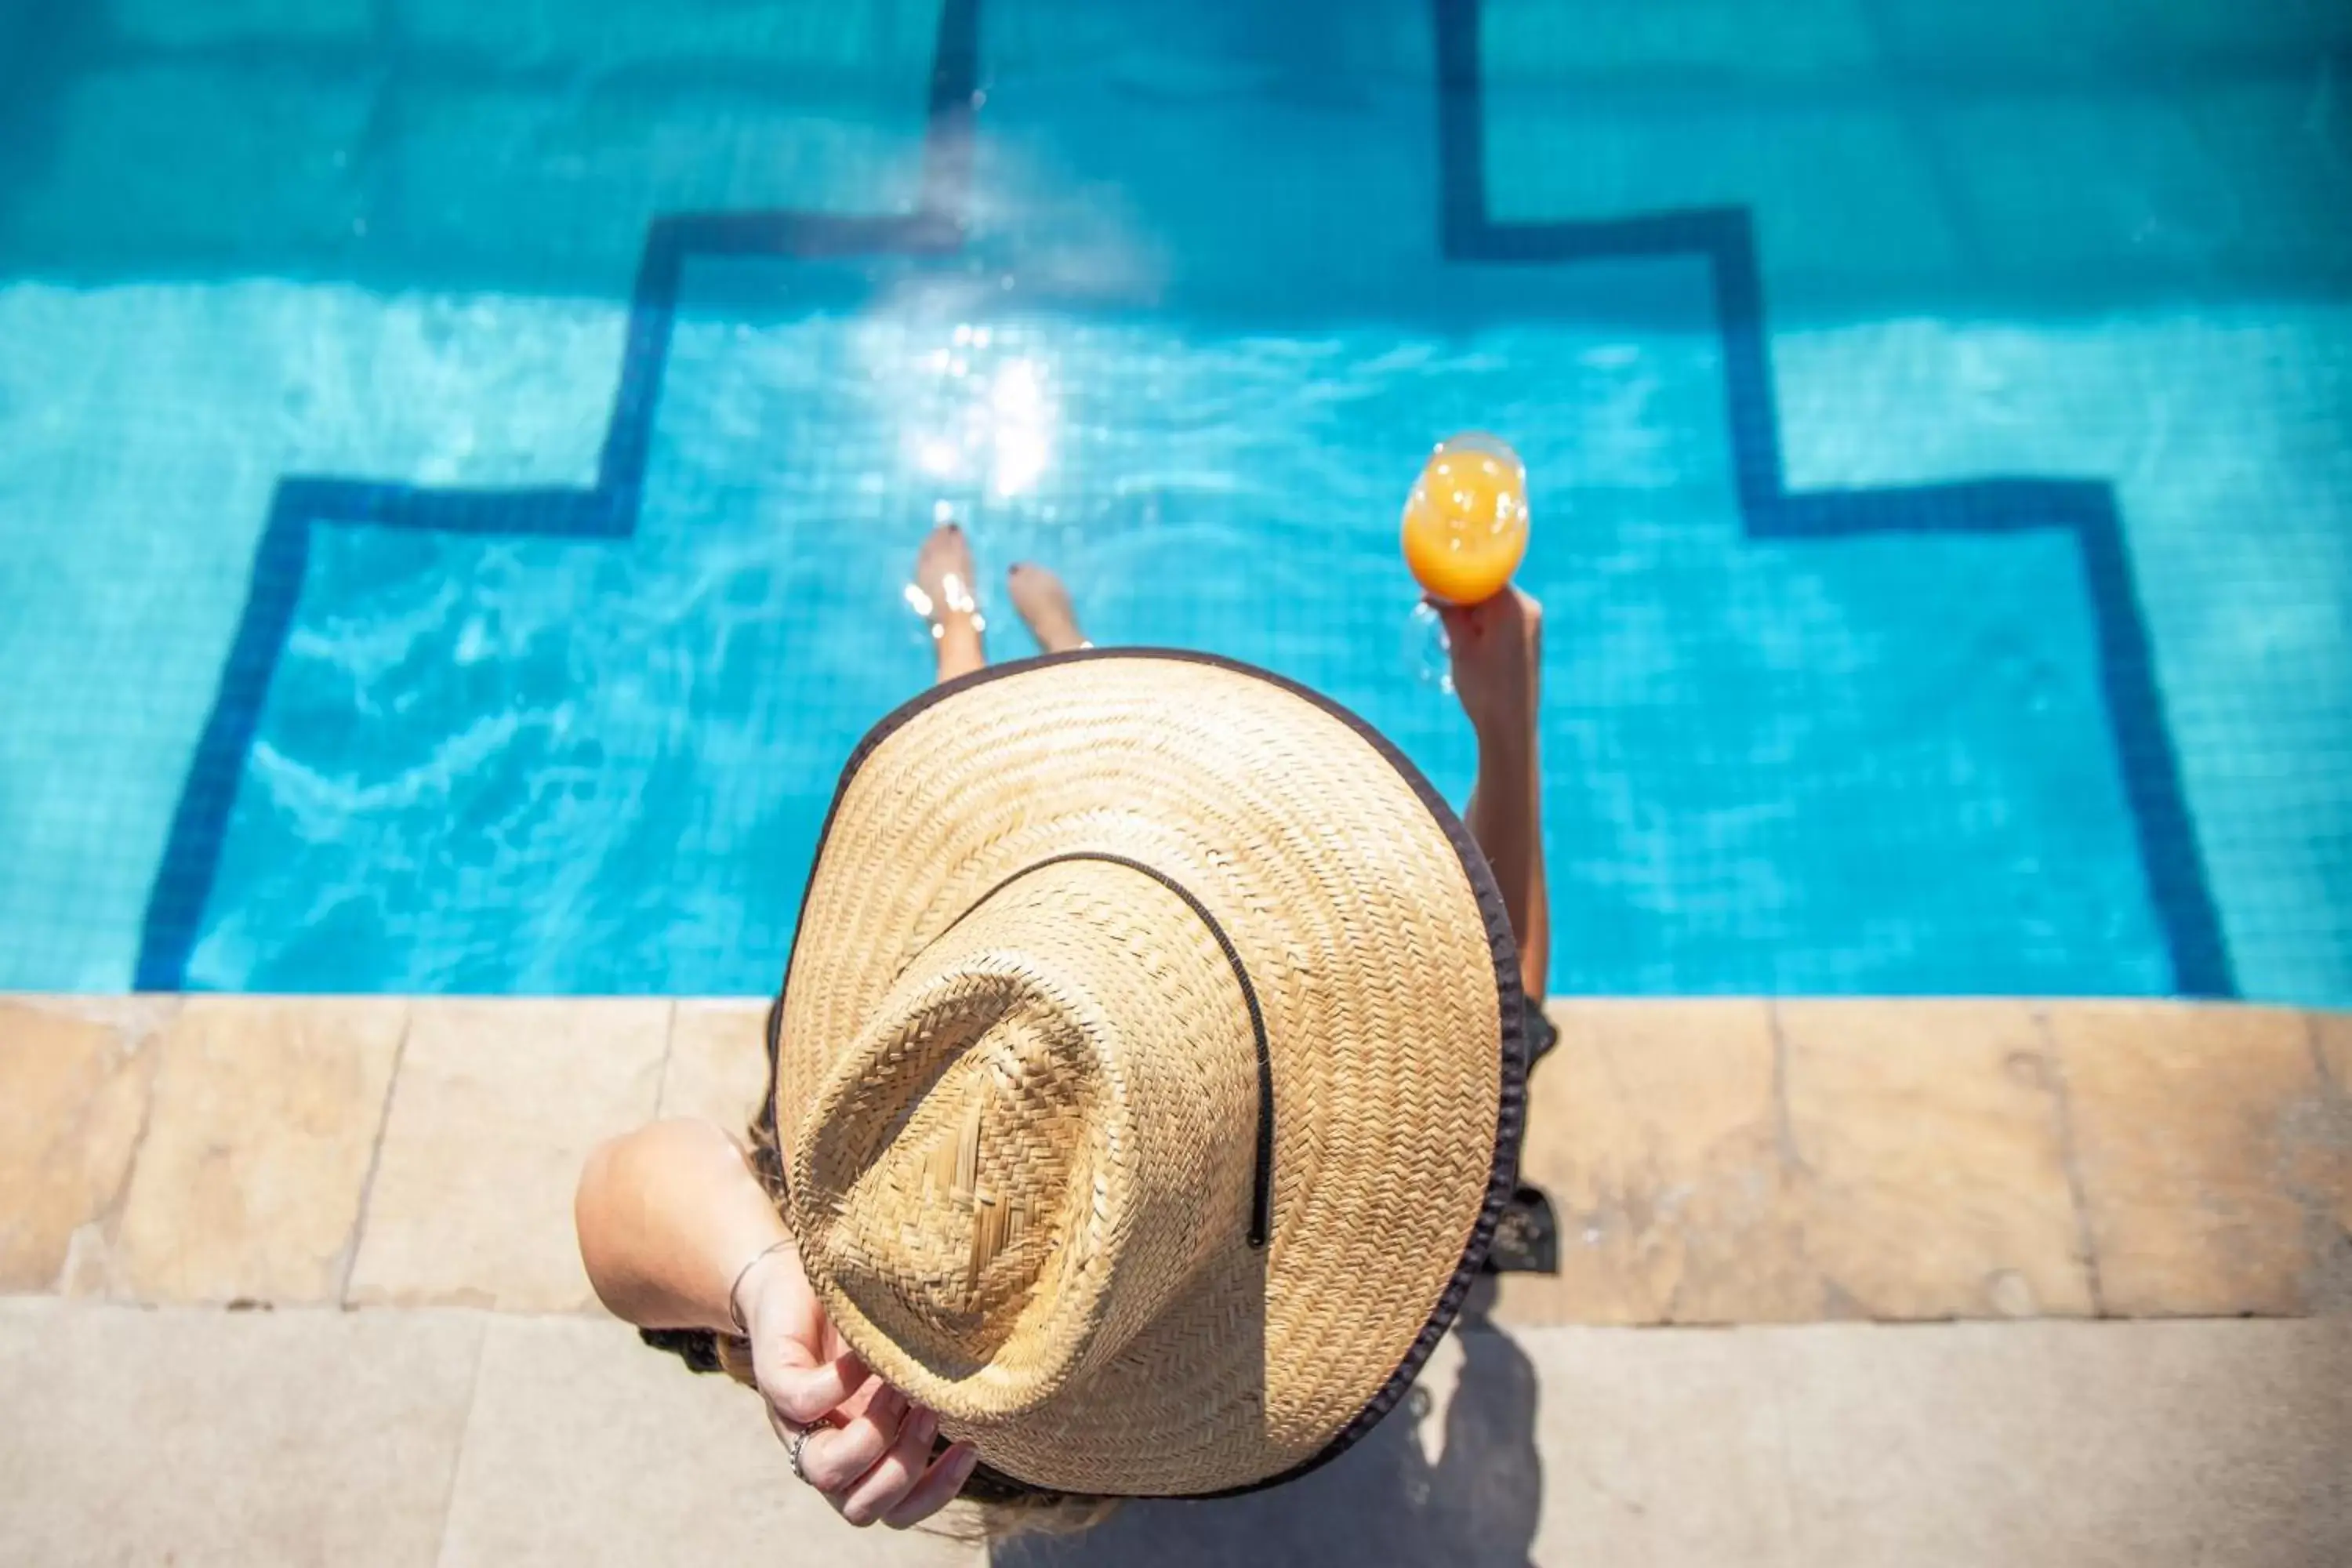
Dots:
{"x": 283, "y": 141}
{"x": 2172, "y": 37}
{"x": 2219, "y": 168}
{"x": 496, "y": 1105}
{"x": 1930, "y": 1159}
{"x": 718, "y": 1062}
{"x": 266, "y": 1117}
{"x": 74, "y": 1076}
{"x": 199, "y": 24}
{"x": 502, "y": 171}
{"x": 1653, "y": 1127}
{"x": 884, "y": 44}
{"x": 2184, "y": 1123}
{"x": 1550, "y": 45}
{"x": 197, "y": 1437}
{"x": 654, "y": 1465}
{"x": 1851, "y": 203}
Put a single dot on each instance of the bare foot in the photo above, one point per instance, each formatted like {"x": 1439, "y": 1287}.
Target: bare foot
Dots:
{"x": 1045, "y": 606}
{"x": 943, "y": 594}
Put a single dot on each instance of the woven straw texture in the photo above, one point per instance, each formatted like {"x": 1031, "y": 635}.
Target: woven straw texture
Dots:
{"x": 1022, "y": 1098}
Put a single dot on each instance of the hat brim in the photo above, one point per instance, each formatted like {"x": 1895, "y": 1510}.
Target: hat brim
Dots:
{"x": 1379, "y": 949}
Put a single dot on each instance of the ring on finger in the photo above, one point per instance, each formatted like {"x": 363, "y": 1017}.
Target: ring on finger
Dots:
{"x": 798, "y": 1441}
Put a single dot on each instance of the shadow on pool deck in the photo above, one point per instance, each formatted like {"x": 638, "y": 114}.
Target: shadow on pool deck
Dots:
{"x": 1383, "y": 1501}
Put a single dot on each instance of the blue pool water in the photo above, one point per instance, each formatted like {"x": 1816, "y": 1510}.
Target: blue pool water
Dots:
{"x": 458, "y": 465}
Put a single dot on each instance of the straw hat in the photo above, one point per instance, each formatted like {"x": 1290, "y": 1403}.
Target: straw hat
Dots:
{"x": 1150, "y": 1066}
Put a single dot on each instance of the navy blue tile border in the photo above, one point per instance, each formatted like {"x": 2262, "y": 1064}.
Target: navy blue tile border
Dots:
{"x": 1725, "y": 238}
{"x": 605, "y": 510}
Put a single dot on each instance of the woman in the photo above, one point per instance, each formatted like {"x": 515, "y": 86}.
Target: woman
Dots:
{"x": 1146, "y": 1085}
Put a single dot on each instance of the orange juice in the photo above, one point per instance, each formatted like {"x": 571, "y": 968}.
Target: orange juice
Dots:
{"x": 1465, "y": 523}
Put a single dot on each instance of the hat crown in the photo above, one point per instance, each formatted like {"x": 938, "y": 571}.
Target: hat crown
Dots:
{"x": 1035, "y": 1142}
{"x": 958, "y": 1216}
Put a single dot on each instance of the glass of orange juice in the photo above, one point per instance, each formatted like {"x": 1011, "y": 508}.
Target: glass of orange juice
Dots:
{"x": 1465, "y": 523}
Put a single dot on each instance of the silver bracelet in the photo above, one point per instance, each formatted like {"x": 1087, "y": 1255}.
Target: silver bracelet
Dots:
{"x": 735, "y": 1313}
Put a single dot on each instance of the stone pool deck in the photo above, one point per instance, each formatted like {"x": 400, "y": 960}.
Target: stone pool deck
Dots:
{"x": 293, "y": 1279}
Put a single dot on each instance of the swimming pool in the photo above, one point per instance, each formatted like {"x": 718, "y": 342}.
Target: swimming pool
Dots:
{"x": 459, "y": 463}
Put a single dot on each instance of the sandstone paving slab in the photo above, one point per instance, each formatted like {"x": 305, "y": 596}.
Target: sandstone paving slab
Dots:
{"x": 497, "y": 1104}
{"x": 718, "y": 1064}
{"x": 1928, "y": 1141}
{"x": 2190, "y": 1138}
{"x": 194, "y": 1436}
{"x": 585, "y": 1447}
{"x": 74, "y": 1087}
{"x": 264, "y": 1118}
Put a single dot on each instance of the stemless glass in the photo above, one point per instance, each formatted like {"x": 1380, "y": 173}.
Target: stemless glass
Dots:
{"x": 1466, "y": 519}
{"x": 1465, "y": 532}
